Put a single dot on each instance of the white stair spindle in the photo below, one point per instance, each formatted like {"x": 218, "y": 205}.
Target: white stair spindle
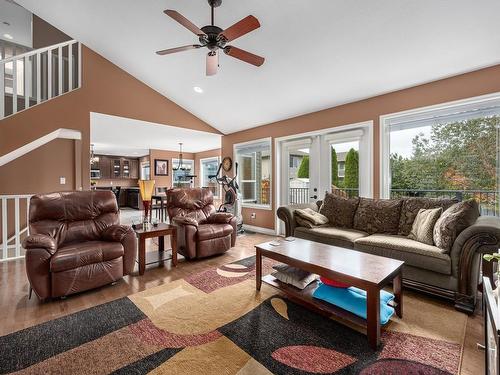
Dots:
{"x": 17, "y": 227}
{"x": 79, "y": 65}
{"x": 4, "y": 228}
{"x": 14, "y": 86}
{"x": 38, "y": 78}
{"x": 28, "y": 215}
{"x": 2, "y": 90}
{"x": 27, "y": 82}
{"x": 60, "y": 69}
{"x": 70, "y": 67}
{"x": 49, "y": 74}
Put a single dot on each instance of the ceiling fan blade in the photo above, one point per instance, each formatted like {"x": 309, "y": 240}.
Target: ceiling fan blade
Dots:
{"x": 177, "y": 49}
{"x": 244, "y": 55}
{"x": 240, "y": 28}
{"x": 184, "y": 22}
{"x": 212, "y": 63}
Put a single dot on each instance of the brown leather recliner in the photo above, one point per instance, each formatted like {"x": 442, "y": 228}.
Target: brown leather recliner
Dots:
{"x": 201, "y": 231}
{"x": 76, "y": 243}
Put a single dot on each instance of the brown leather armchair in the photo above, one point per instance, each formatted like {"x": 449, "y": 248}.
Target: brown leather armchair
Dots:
{"x": 201, "y": 231}
{"x": 76, "y": 243}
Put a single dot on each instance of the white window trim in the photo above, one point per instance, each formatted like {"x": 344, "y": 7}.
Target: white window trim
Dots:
{"x": 385, "y": 173}
{"x": 202, "y": 177}
{"x": 269, "y": 206}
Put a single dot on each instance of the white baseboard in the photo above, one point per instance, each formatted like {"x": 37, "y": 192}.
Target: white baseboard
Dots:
{"x": 261, "y": 230}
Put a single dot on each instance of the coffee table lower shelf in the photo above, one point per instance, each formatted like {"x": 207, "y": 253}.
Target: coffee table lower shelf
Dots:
{"x": 306, "y": 298}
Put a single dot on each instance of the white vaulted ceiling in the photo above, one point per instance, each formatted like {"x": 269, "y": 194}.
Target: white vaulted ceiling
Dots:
{"x": 319, "y": 53}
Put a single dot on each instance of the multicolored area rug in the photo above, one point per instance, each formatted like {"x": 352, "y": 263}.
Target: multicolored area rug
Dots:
{"x": 215, "y": 322}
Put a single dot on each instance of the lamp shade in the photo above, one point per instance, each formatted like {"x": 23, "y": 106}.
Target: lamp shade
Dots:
{"x": 146, "y": 188}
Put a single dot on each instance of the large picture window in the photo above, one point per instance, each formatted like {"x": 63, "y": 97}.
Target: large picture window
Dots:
{"x": 254, "y": 173}
{"x": 444, "y": 151}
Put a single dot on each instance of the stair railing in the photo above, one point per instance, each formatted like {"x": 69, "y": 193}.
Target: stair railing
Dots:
{"x": 14, "y": 226}
{"x": 39, "y": 75}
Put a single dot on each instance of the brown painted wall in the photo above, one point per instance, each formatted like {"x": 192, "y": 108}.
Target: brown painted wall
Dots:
{"x": 105, "y": 89}
{"x": 44, "y": 34}
{"x": 481, "y": 82}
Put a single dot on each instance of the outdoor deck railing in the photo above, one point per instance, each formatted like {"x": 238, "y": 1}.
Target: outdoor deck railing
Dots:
{"x": 488, "y": 199}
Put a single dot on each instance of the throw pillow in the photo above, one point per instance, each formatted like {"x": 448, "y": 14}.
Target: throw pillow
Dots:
{"x": 423, "y": 226}
{"x": 303, "y": 222}
{"x": 339, "y": 210}
{"x": 453, "y": 221}
{"x": 293, "y": 276}
{"x": 315, "y": 218}
{"x": 378, "y": 215}
{"x": 411, "y": 206}
{"x": 334, "y": 283}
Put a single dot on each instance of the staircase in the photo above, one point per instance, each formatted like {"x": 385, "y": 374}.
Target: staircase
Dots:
{"x": 39, "y": 75}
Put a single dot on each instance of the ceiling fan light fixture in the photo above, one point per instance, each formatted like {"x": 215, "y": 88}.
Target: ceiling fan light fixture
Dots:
{"x": 215, "y": 38}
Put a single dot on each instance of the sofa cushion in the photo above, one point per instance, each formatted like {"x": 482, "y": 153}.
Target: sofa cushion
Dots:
{"x": 411, "y": 206}
{"x": 81, "y": 254}
{"x": 326, "y": 232}
{"x": 378, "y": 215}
{"x": 423, "y": 226}
{"x": 211, "y": 231}
{"x": 308, "y": 214}
{"x": 412, "y": 252}
{"x": 453, "y": 221}
{"x": 339, "y": 210}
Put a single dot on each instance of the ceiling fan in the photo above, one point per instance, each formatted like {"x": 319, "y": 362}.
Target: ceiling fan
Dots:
{"x": 214, "y": 38}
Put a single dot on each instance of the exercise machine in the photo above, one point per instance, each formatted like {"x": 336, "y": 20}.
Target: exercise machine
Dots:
{"x": 232, "y": 197}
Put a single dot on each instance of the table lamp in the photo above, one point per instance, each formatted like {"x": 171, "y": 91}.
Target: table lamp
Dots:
{"x": 146, "y": 188}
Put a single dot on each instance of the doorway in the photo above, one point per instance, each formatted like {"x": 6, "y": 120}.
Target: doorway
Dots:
{"x": 337, "y": 160}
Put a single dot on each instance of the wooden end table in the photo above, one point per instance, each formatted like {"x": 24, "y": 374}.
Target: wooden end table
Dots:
{"x": 365, "y": 271}
{"x": 160, "y": 231}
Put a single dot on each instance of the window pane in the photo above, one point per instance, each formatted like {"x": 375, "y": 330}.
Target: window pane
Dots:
{"x": 298, "y": 175}
{"x": 452, "y": 157}
{"x": 254, "y": 174}
{"x": 344, "y": 168}
{"x": 209, "y": 168}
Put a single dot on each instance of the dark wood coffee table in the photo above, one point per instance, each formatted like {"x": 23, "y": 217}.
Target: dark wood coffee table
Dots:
{"x": 159, "y": 231}
{"x": 365, "y": 271}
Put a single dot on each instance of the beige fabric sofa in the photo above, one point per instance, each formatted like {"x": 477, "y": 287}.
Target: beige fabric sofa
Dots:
{"x": 450, "y": 274}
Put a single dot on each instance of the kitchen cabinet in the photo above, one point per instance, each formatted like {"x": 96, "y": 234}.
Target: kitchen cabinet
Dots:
{"x": 105, "y": 167}
{"x": 116, "y": 167}
{"x": 134, "y": 169}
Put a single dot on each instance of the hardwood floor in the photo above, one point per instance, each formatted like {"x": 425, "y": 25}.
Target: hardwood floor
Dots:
{"x": 18, "y": 312}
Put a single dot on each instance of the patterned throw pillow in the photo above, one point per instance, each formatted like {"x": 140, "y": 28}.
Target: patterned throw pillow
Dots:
{"x": 411, "y": 206}
{"x": 423, "y": 226}
{"x": 453, "y": 221}
{"x": 339, "y": 210}
{"x": 378, "y": 215}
